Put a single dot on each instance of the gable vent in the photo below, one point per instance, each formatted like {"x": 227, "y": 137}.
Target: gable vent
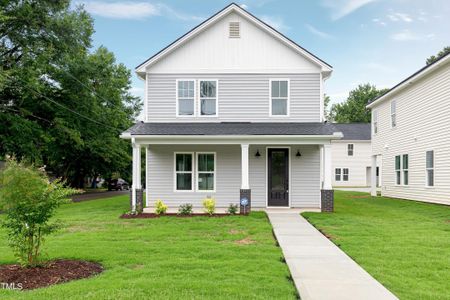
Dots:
{"x": 235, "y": 30}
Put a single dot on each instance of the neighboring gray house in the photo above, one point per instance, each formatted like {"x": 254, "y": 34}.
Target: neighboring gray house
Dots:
{"x": 234, "y": 108}
{"x": 351, "y": 156}
{"x": 411, "y": 136}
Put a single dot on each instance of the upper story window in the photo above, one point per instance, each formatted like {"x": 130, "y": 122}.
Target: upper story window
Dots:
{"x": 375, "y": 121}
{"x": 350, "y": 148}
{"x": 393, "y": 114}
{"x": 185, "y": 97}
{"x": 430, "y": 168}
{"x": 279, "y": 97}
{"x": 208, "y": 97}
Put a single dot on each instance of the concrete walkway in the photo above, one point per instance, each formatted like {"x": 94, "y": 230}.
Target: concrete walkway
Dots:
{"x": 319, "y": 268}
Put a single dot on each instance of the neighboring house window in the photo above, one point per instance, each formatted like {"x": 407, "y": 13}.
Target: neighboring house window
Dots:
{"x": 393, "y": 113}
{"x": 405, "y": 164}
{"x": 350, "y": 149}
{"x": 206, "y": 171}
{"x": 375, "y": 121}
{"x": 397, "y": 170}
{"x": 208, "y": 97}
{"x": 279, "y": 92}
{"x": 185, "y": 93}
{"x": 345, "y": 174}
{"x": 430, "y": 167}
{"x": 183, "y": 171}
{"x": 337, "y": 174}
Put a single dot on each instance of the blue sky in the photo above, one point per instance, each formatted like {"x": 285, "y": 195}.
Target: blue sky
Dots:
{"x": 376, "y": 41}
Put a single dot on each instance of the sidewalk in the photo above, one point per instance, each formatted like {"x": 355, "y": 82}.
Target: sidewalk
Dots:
{"x": 319, "y": 268}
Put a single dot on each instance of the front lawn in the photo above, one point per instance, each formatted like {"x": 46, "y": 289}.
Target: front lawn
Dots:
{"x": 403, "y": 244}
{"x": 167, "y": 258}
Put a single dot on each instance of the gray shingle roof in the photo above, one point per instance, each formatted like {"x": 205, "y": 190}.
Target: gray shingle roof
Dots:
{"x": 355, "y": 131}
{"x": 232, "y": 128}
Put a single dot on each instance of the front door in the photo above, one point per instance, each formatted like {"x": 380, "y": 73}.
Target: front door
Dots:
{"x": 278, "y": 177}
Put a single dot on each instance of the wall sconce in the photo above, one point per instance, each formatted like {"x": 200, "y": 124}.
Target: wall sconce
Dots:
{"x": 298, "y": 153}
{"x": 257, "y": 154}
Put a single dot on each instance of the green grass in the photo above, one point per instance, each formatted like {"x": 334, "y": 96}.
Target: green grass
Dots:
{"x": 166, "y": 258}
{"x": 403, "y": 244}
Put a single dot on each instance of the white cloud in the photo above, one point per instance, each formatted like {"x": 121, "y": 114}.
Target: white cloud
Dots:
{"x": 121, "y": 10}
{"x": 244, "y": 6}
{"x": 171, "y": 13}
{"x": 379, "y": 22}
{"x": 341, "y": 8}
{"x": 396, "y": 17}
{"x": 318, "y": 32}
{"x": 275, "y": 22}
{"x": 407, "y": 35}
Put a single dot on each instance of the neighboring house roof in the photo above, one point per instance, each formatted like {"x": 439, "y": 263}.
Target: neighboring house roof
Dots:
{"x": 233, "y": 7}
{"x": 411, "y": 79}
{"x": 355, "y": 131}
{"x": 231, "y": 128}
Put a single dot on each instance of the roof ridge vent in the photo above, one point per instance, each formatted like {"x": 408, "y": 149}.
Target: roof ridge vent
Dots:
{"x": 234, "y": 30}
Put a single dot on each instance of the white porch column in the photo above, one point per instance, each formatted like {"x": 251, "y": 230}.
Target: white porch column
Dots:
{"x": 147, "y": 196}
{"x": 136, "y": 176}
{"x": 244, "y": 167}
{"x": 327, "y": 172}
{"x": 373, "y": 176}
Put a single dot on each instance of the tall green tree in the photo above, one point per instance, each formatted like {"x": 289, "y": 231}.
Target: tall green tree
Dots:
{"x": 62, "y": 104}
{"x": 353, "y": 110}
{"x": 441, "y": 53}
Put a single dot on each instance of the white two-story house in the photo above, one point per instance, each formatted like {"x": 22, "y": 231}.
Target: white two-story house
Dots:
{"x": 234, "y": 109}
{"x": 411, "y": 136}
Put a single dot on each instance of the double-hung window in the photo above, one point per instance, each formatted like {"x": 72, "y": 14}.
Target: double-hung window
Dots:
{"x": 279, "y": 97}
{"x": 398, "y": 173}
{"x": 345, "y": 174}
{"x": 185, "y": 96}
{"x": 405, "y": 163}
{"x": 350, "y": 148}
{"x": 375, "y": 121}
{"x": 430, "y": 167}
{"x": 337, "y": 174}
{"x": 206, "y": 167}
{"x": 393, "y": 114}
{"x": 208, "y": 97}
{"x": 183, "y": 171}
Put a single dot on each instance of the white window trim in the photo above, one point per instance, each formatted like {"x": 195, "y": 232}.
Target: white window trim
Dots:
{"x": 175, "y": 172}
{"x": 433, "y": 168}
{"x": 375, "y": 128}
{"x": 403, "y": 170}
{"x": 353, "y": 149}
{"x": 177, "y": 98}
{"x": 198, "y": 111}
{"x": 340, "y": 174}
{"x": 348, "y": 174}
{"x": 288, "y": 111}
{"x": 197, "y": 172}
{"x": 398, "y": 170}
{"x": 393, "y": 114}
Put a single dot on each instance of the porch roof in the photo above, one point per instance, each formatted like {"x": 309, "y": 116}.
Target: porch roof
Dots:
{"x": 230, "y": 129}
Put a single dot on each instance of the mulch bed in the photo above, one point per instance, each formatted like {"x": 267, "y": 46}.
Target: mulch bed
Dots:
{"x": 153, "y": 215}
{"x": 53, "y": 272}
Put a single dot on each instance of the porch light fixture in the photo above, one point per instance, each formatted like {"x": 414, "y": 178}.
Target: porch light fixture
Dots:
{"x": 257, "y": 154}
{"x": 298, "y": 153}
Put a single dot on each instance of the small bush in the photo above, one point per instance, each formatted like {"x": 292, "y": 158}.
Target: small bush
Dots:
{"x": 232, "y": 209}
{"x": 160, "y": 208}
{"x": 185, "y": 209}
{"x": 209, "y": 204}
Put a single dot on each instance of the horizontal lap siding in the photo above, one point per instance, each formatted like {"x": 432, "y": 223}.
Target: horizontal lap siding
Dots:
{"x": 422, "y": 124}
{"x": 242, "y": 97}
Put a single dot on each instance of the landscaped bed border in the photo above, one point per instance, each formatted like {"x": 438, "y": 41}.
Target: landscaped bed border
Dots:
{"x": 154, "y": 216}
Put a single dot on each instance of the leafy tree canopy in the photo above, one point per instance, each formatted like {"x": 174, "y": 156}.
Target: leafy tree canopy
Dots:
{"x": 441, "y": 53}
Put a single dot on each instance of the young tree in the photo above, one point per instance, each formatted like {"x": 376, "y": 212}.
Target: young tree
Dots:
{"x": 441, "y": 53}
{"x": 354, "y": 110}
{"x": 29, "y": 200}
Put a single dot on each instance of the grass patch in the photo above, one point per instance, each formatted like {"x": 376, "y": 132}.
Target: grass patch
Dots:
{"x": 403, "y": 244}
{"x": 168, "y": 258}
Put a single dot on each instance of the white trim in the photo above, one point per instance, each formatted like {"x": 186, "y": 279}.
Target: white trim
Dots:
{"x": 147, "y": 190}
{"x": 232, "y": 8}
{"x": 375, "y": 123}
{"x": 267, "y": 175}
{"x": 393, "y": 115}
{"x": 175, "y": 172}
{"x": 348, "y": 149}
{"x": 340, "y": 174}
{"x": 427, "y": 169}
{"x": 322, "y": 99}
{"x": 245, "y": 167}
{"x": 145, "y": 99}
{"x": 176, "y": 97}
{"x": 343, "y": 174}
{"x": 328, "y": 167}
{"x": 197, "y": 172}
{"x": 288, "y": 104}
{"x": 198, "y": 112}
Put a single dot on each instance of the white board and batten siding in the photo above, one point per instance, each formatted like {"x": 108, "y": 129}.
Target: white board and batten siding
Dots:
{"x": 304, "y": 175}
{"x": 422, "y": 113}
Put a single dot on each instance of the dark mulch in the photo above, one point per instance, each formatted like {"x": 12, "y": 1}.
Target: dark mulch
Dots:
{"x": 53, "y": 272}
{"x": 153, "y": 215}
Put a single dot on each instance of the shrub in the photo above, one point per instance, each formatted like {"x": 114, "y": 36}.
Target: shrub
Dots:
{"x": 209, "y": 204}
{"x": 160, "y": 208}
{"x": 29, "y": 200}
{"x": 185, "y": 209}
{"x": 232, "y": 209}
